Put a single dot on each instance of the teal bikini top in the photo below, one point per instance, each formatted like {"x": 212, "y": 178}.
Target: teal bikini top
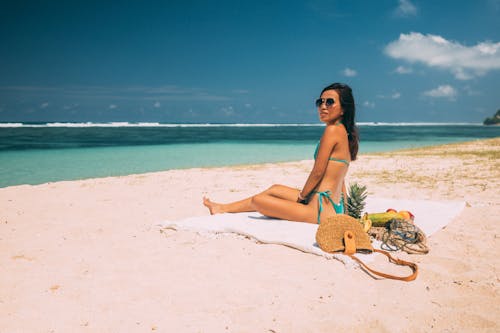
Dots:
{"x": 331, "y": 158}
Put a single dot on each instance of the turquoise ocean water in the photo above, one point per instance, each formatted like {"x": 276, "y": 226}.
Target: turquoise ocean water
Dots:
{"x": 40, "y": 153}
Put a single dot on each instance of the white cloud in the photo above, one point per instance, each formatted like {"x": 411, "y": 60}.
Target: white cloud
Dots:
{"x": 406, "y": 8}
{"x": 465, "y": 62}
{"x": 113, "y": 106}
{"x": 227, "y": 111}
{"x": 403, "y": 70}
{"x": 395, "y": 95}
{"x": 241, "y": 91}
{"x": 70, "y": 106}
{"x": 349, "y": 72}
{"x": 148, "y": 93}
{"x": 175, "y": 93}
{"x": 168, "y": 89}
{"x": 369, "y": 104}
{"x": 157, "y": 104}
{"x": 443, "y": 91}
{"x": 44, "y": 105}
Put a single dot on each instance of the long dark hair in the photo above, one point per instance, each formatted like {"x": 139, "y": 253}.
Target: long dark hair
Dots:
{"x": 349, "y": 108}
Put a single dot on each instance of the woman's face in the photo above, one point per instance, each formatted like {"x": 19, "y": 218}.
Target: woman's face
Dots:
{"x": 330, "y": 114}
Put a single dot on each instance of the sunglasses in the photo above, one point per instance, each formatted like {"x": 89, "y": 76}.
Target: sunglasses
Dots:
{"x": 328, "y": 102}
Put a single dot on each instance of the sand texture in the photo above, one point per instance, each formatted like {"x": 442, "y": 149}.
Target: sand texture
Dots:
{"x": 85, "y": 256}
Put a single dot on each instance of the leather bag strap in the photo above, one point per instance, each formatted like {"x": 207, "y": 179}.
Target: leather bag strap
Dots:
{"x": 400, "y": 262}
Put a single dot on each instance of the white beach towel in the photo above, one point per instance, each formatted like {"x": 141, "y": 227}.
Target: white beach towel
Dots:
{"x": 430, "y": 216}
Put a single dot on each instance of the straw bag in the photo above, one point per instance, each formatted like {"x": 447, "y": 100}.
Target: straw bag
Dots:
{"x": 342, "y": 233}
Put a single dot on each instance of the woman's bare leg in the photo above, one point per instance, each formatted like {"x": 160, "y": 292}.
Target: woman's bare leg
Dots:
{"x": 244, "y": 205}
{"x": 247, "y": 205}
{"x": 285, "y": 209}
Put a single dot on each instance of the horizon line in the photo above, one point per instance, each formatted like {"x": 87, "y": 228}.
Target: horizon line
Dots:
{"x": 161, "y": 124}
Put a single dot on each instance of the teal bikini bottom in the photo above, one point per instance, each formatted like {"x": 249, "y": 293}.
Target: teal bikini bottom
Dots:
{"x": 339, "y": 208}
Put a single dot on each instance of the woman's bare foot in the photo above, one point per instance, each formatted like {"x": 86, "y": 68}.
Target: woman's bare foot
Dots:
{"x": 213, "y": 207}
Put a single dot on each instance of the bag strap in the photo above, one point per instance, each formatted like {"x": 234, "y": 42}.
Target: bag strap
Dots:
{"x": 397, "y": 261}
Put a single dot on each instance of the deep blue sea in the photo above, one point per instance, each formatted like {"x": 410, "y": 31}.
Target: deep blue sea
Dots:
{"x": 40, "y": 153}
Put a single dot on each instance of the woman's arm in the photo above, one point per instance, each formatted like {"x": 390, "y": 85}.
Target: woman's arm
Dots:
{"x": 327, "y": 143}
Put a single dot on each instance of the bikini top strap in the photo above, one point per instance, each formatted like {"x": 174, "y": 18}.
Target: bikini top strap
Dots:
{"x": 346, "y": 162}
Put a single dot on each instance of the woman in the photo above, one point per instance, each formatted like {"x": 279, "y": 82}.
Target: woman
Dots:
{"x": 324, "y": 191}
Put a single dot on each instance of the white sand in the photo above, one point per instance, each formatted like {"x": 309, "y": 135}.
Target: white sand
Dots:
{"x": 82, "y": 256}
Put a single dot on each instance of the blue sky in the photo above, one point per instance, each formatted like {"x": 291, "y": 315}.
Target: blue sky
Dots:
{"x": 247, "y": 61}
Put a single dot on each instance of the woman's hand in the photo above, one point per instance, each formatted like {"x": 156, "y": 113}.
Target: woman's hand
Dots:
{"x": 301, "y": 199}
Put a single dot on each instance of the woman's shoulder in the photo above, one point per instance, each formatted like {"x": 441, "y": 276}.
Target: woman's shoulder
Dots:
{"x": 335, "y": 130}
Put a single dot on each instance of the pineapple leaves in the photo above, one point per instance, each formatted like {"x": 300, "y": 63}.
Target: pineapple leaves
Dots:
{"x": 356, "y": 200}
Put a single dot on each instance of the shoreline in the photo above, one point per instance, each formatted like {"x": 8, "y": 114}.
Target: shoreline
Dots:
{"x": 405, "y": 151}
{"x": 101, "y": 264}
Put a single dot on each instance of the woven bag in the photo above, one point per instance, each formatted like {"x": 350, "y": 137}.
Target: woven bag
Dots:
{"x": 343, "y": 233}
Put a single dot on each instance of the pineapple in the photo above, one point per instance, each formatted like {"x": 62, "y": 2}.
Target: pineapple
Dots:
{"x": 356, "y": 200}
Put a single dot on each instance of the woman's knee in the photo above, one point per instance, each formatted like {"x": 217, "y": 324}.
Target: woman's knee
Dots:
{"x": 258, "y": 200}
{"x": 273, "y": 188}
{"x": 276, "y": 190}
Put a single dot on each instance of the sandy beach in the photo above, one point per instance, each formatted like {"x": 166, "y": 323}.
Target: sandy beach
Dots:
{"x": 86, "y": 256}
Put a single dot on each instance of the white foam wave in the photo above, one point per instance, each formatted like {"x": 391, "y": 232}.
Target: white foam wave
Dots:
{"x": 157, "y": 124}
{"x": 144, "y": 124}
{"x": 11, "y": 125}
{"x": 86, "y": 124}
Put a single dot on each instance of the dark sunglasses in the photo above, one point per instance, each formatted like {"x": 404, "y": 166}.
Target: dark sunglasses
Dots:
{"x": 328, "y": 102}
